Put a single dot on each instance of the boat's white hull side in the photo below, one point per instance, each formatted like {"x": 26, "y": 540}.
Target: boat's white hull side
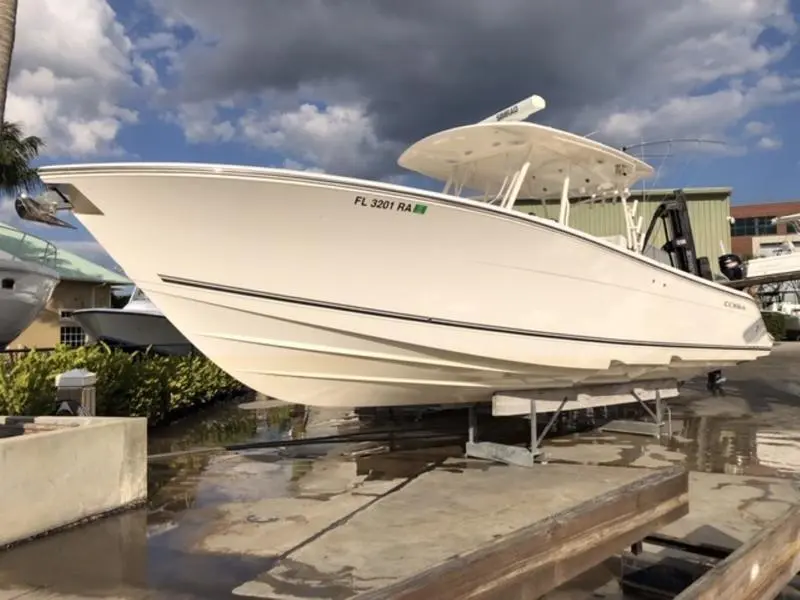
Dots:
{"x": 33, "y": 286}
{"x": 773, "y": 265}
{"x": 313, "y": 297}
{"x": 132, "y": 328}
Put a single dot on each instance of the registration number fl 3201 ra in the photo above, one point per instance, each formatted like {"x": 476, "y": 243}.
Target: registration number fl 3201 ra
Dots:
{"x": 393, "y": 205}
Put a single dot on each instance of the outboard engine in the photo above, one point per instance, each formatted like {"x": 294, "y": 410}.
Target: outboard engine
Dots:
{"x": 731, "y": 266}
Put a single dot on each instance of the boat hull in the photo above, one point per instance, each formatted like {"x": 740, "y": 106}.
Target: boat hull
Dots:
{"x": 21, "y": 303}
{"x": 773, "y": 265}
{"x": 337, "y": 292}
{"x": 133, "y": 329}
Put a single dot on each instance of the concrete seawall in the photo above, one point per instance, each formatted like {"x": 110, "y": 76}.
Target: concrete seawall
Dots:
{"x": 56, "y": 471}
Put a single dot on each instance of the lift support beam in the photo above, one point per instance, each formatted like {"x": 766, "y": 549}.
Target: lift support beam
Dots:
{"x": 759, "y": 569}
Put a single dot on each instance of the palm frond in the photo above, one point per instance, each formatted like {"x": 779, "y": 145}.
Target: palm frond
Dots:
{"x": 17, "y": 151}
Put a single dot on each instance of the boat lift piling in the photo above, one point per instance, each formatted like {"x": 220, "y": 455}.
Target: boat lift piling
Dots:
{"x": 762, "y": 568}
{"x": 529, "y": 403}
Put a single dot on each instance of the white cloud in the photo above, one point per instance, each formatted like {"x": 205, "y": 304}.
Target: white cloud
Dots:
{"x": 298, "y": 166}
{"x": 770, "y": 143}
{"x": 336, "y": 138}
{"x": 200, "y": 123}
{"x": 757, "y": 128}
{"x": 702, "y": 115}
{"x": 73, "y": 72}
{"x": 157, "y": 40}
{"x": 685, "y": 68}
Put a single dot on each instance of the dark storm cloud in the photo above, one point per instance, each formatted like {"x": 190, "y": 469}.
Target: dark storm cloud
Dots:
{"x": 422, "y": 65}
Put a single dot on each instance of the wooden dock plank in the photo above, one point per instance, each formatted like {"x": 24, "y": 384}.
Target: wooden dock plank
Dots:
{"x": 535, "y": 560}
{"x": 469, "y": 529}
{"x": 757, "y": 570}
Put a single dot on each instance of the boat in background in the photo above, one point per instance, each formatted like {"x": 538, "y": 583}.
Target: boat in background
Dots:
{"x": 336, "y": 291}
{"x": 791, "y": 314}
{"x": 785, "y": 260}
{"x": 139, "y": 324}
{"x": 26, "y": 286}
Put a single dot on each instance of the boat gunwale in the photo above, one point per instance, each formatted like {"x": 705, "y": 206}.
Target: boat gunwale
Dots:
{"x": 50, "y": 175}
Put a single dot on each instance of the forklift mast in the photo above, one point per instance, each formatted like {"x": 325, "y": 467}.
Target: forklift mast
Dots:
{"x": 673, "y": 213}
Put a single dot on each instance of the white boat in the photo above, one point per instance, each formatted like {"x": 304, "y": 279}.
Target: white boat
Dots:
{"x": 26, "y": 286}
{"x": 785, "y": 260}
{"x": 139, "y": 324}
{"x": 334, "y": 291}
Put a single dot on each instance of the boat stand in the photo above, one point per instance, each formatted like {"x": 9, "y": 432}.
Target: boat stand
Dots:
{"x": 654, "y": 427}
{"x": 530, "y": 403}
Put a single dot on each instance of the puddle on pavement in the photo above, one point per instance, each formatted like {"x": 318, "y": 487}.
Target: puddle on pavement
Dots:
{"x": 160, "y": 547}
{"x": 735, "y": 446}
{"x": 152, "y": 548}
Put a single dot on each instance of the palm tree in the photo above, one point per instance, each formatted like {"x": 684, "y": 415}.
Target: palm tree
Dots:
{"x": 8, "y": 28}
{"x": 17, "y": 152}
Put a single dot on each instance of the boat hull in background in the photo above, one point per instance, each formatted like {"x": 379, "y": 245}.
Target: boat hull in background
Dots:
{"x": 339, "y": 292}
{"x": 25, "y": 290}
{"x": 773, "y": 265}
{"x": 133, "y": 329}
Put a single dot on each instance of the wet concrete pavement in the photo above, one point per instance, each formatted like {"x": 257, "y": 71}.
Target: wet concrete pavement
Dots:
{"x": 202, "y": 533}
{"x": 753, "y": 429}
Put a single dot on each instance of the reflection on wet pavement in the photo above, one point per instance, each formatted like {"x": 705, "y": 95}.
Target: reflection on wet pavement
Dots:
{"x": 155, "y": 548}
{"x": 753, "y": 430}
{"x": 169, "y": 549}
{"x": 203, "y": 530}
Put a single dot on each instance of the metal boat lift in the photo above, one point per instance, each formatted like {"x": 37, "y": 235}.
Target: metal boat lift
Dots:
{"x": 531, "y": 403}
{"x": 679, "y": 248}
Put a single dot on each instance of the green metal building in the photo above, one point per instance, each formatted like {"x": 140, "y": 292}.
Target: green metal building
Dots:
{"x": 709, "y": 209}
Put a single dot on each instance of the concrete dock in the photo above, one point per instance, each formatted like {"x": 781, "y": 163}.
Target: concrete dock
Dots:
{"x": 311, "y": 523}
{"x": 459, "y": 511}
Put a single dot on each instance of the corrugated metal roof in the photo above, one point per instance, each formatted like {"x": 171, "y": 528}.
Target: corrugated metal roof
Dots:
{"x": 69, "y": 266}
{"x": 712, "y": 192}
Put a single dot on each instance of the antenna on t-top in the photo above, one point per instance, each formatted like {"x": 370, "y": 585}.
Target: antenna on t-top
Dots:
{"x": 519, "y": 111}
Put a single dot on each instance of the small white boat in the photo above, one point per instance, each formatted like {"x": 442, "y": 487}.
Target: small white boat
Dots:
{"x": 139, "y": 324}
{"x": 26, "y": 286}
{"x": 334, "y": 291}
{"x": 785, "y": 260}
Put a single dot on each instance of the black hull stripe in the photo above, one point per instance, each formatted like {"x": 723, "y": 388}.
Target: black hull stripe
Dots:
{"x": 116, "y": 312}
{"x": 434, "y": 321}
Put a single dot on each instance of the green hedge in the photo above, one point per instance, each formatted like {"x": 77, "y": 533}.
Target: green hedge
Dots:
{"x": 776, "y": 324}
{"x": 128, "y": 383}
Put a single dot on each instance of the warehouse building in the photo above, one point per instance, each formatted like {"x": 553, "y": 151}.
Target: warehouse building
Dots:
{"x": 709, "y": 211}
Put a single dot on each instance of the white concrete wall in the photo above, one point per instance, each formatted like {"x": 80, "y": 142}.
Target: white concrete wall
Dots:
{"x": 86, "y": 467}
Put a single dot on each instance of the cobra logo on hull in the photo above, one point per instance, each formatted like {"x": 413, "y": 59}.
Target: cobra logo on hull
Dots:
{"x": 736, "y": 305}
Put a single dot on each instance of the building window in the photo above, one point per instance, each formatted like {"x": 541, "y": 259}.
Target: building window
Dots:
{"x": 72, "y": 336}
{"x": 750, "y": 226}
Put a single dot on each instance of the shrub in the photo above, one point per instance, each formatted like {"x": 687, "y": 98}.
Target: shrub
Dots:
{"x": 776, "y": 324}
{"x": 136, "y": 384}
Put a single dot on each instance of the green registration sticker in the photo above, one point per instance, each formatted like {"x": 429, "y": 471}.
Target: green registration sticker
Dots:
{"x": 396, "y": 206}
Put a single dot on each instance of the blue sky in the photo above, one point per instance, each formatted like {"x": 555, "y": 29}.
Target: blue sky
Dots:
{"x": 246, "y": 83}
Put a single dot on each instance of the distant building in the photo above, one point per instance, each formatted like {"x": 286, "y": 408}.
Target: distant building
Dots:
{"x": 709, "y": 209}
{"x": 753, "y": 233}
{"x": 84, "y": 284}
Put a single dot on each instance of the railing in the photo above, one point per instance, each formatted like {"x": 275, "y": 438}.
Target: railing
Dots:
{"x": 29, "y": 247}
{"x": 14, "y": 354}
